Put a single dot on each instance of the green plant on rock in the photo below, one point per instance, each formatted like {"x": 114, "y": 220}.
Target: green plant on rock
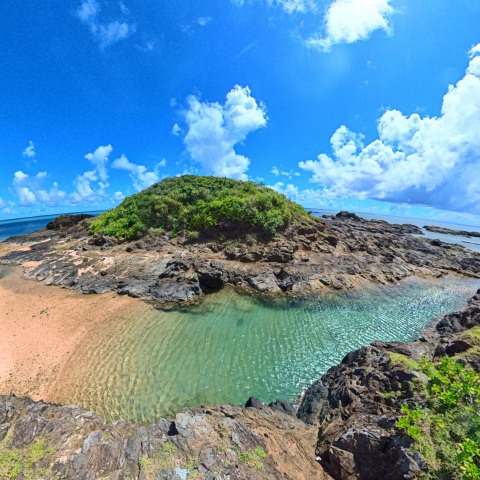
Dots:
{"x": 253, "y": 458}
{"x": 167, "y": 457}
{"x": 28, "y": 463}
{"x": 446, "y": 430}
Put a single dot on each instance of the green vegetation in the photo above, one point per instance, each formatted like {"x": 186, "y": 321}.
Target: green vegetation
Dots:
{"x": 193, "y": 204}
{"x": 167, "y": 457}
{"x": 399, "y": 359}
{"x": 446, "y": 430}
{"x": 253, "y": 459}
{"x": 29, "y": 463}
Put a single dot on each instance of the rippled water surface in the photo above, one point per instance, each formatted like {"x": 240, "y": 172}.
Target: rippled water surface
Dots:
{"x": 232, "y": 346}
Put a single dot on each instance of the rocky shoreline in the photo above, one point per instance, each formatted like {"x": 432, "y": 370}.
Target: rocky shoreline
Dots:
{"x": 340, "y": 253}
{"x": 448, "y": 231}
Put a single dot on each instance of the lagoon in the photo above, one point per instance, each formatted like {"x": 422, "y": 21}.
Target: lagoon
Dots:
{"x": 152, "y": 363}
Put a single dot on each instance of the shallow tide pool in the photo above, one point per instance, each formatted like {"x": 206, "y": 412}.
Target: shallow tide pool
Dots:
{"x": 152, "y": 363}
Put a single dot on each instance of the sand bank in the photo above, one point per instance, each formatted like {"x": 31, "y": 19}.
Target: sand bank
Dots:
{"x": 40, "y": 328}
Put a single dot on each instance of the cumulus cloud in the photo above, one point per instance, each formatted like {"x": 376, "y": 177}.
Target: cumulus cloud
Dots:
{"x": 30, "y": 190}
{"x": 289, "y": 6}
{"x": 105, "y": 34}
{"x": 29, "y": 152}
{"x": 347, "y": 21}
{"x": 428, "y": 160}
{"x": 213, "y": 130}
{"x": 141, "y": 177}
{"x": 91, "y": 185}
{"x": 275, "y": 171}
{"x": 118, "y": 197}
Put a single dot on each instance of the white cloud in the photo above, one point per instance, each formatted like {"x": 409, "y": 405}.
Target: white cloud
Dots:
{"x": 204, "y": 21}
{"x": 293, "y": 6}
{"x": 105, "y": 33}
{"x": 213, "y": 130}
{"x": 113, "y": 32}
{"x": 176, "y": 130}
{"x": 124, "y": 8}
{"x": 290, "y": 6}
{"x": 432, "y": 161}
{"x": 99, "y": 159}
{"x": 88, "y": 10}
{"x": 30, "y": 150}
{"x": 118, "y": 196}
{"x": 139, "y": 174}
{"x": 275, "y": 171}
{"x": 347, "y": 21}
{"x": 84, "y": 191}
{"x": 30, "y": 190}
{"x": 8, "y": 208}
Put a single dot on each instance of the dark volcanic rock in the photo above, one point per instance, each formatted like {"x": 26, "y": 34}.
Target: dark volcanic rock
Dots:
{"x": 254, "y": 402}
{"x": 348, "y": 215}
{"x": 447, "y": 231}
{"x": 211, "y": 275}
{"x": 63, "y": 222}
{"x": 340, "y": 254}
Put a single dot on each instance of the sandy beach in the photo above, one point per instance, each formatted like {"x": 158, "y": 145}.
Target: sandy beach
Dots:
{"x": 40, "y": 328}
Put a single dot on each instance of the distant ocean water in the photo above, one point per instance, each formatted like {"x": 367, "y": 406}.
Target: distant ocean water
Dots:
{"x": 22, "y": 226}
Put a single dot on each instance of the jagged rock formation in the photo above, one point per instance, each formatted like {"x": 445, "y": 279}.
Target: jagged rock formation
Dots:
{"x": 64, "y": 222}
{"x": 66, "y": 442}
{"x": 341, "y": 253}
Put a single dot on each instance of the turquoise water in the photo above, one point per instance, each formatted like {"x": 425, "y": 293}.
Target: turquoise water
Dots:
{"x": 231, "y": 346}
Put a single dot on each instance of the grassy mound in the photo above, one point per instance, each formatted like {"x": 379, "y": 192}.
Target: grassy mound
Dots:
{"x": 193, "y": 205}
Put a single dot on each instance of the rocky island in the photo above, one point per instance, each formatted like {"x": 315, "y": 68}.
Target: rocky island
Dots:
{"x": 368, "y": 417}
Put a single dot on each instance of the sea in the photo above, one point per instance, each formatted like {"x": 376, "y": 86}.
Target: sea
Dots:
{"x": 147, "y": 362}
{"x": 22, "y": 226}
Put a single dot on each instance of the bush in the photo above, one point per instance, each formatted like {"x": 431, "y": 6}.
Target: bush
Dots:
{"x": 447, "y": 429}
{"x": 196, "y": 204}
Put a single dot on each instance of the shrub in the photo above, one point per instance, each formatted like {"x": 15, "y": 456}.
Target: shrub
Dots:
{"x": 447, "y": 429}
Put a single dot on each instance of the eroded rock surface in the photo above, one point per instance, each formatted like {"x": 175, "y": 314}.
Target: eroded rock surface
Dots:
{"x": 209, "y": 443}
{"x": 341, "y": 253}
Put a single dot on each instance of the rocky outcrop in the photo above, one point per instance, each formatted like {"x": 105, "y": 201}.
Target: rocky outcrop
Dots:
{"x": 225, "y": 442}
{"x": 448, "y": 231}
{"x": 356, "y": 404}
{"x": 64, "y": 222}
{"x": 340, "y": 253}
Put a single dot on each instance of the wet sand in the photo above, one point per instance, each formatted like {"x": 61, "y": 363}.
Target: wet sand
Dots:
{"x": 41, "y": 327}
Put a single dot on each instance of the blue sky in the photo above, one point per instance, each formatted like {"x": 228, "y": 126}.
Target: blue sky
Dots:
{"x": 367, "y": 105}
